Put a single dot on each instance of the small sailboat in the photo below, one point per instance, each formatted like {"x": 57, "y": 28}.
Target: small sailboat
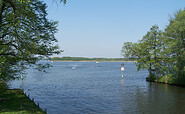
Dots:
{"x": 97, "y": 62}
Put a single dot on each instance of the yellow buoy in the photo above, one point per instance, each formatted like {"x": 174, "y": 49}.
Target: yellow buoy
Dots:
{"x": 21, "y": 77}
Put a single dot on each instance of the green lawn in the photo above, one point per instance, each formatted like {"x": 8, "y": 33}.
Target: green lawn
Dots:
{"x": 17, "y": 103}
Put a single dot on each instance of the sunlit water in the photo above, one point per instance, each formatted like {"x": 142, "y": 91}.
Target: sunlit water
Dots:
{"x": 76, "y": 87}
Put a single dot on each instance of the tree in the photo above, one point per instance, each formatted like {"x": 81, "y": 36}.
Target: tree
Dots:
{"x": 175, "y": 34}
{"x": 129, "y": 50}
{"x": 137, "y": 52}
{"x": 146, "y": 51}
{"x": 64, "y": 1}
{"x": 26, "y": 36}
{"x": 164, "y": 52}
{"x": 152, "y": 42}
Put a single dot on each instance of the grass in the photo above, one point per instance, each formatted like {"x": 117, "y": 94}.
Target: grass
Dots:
{"x": 18, "y": 103}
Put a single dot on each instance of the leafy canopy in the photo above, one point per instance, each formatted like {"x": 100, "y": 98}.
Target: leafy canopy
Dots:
{"x": 162, "y": 52}
{"x": 26, "y": 36}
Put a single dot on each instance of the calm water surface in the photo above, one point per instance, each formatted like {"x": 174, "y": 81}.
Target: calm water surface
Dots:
{"x": 75, "y": 87}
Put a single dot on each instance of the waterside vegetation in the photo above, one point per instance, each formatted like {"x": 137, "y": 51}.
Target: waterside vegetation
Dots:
{"x": 26, "y": 36}
{"x": 161, "y": 52}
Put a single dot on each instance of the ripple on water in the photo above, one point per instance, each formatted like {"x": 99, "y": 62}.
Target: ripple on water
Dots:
{"x": 100, "y": 90}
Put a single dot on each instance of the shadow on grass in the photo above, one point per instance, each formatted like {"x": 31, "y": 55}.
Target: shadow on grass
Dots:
{"x": 17, "y": 102}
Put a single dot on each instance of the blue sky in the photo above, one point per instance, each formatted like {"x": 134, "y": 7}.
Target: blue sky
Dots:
{"x": 98, "y": 28}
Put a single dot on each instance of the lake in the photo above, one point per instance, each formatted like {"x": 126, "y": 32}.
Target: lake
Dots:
{"x": 90, "y": 87}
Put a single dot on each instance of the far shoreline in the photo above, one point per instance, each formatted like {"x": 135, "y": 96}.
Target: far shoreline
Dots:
{"x": 87, "y": 61}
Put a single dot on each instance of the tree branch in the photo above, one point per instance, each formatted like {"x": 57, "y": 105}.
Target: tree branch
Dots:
{"x": 1, "y": 13}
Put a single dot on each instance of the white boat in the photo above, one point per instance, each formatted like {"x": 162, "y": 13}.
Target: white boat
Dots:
{"x": 74, "y": 66}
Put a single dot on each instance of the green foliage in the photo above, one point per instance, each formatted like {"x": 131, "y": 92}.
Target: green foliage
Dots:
{"x": 151, "y": 78}
{"x": 146, "y": 51}
{"x": 3, "y": 86}
{"x": 26, "y": 36}
{"x": 89, "y": 59}
{"x": 162, "y": 51}
{"x": 64, "y": 1}
{"x": 175, "y": 33}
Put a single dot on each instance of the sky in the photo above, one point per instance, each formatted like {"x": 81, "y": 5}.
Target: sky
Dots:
{"x": 98, "y": 28}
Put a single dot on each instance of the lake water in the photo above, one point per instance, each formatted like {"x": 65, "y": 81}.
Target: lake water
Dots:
{"x": 78, "y": 88}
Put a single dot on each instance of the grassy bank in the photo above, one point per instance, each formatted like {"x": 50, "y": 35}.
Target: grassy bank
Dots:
{"x": 16, "y": 102}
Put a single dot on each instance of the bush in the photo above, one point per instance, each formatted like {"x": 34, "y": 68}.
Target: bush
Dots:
{"x": 151, "y": 78}
{"x": 3, "y": 86}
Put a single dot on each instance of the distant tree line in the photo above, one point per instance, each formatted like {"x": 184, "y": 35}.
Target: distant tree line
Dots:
{"x": 161, "y": 52}
{"x": 90, "y": 59}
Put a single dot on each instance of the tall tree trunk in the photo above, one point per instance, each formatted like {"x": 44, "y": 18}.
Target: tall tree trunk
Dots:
{"x": 156, "y": 73}
{"x": 150, "y": 70}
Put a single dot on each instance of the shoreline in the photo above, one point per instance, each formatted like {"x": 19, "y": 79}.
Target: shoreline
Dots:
{"x": 87, "y": 61}
{"x": 164, "y": 82}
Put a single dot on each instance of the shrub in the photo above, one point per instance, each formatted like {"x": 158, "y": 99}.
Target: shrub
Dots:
{"x": 3, "y": 86}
